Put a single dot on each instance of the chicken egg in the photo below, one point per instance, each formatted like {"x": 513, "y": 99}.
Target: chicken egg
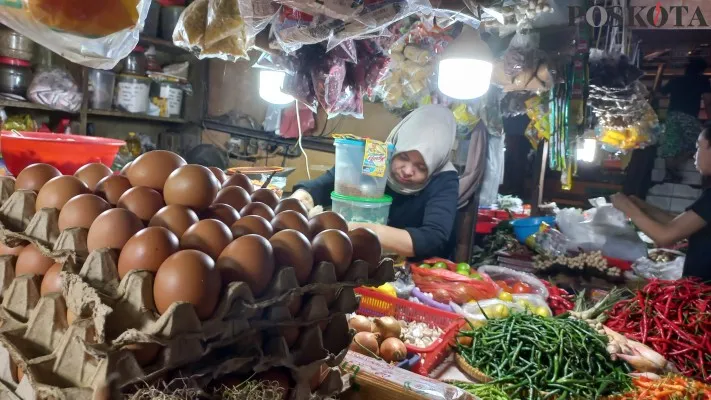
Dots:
{"x": 252, "y": 225}
{"x": 91, "y": 174}
{"x": 189, "y": 276}
{"x": 290, "y": 220}
{"x": 366, "y": 247}
{"x": 153, "y": 168}
{"x": 142, "y": 201}
{"x": 112, "y": 229}
{"x": 32, "y": 261}
{"x": 10, "y": 251}
{"x": 265, "y": 196}
{"x": 292, "y": 249}
{"x": 58, "y": 191}
{"x": 257, "y": 208}
{"x": 221, "y": 212}
{"x": 192, "y": 186}
{"x": 112, "y": 188}
{"x": 147, "y": 250}
{"x": 175, "y": 218}
{"x": 293, "y": 205}
{"x": 234, "y": 196}
{"x": 219, "y": 174}
{"x": 327, "y": 220}
{"x": 52, "y": 281}
{"x": 248, "y": 259}
{"x": 209, "y": 236}
{"x": 81, "y": 211}
{"x": 333, "y": 246}
{"x": 34, "y": 176}
{"x": 240, "y": 180}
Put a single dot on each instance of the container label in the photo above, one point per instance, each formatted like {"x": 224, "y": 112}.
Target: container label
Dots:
{"x": 375, "y": 158}
{"x": 175, "y": 100}
{"x": 132, "y": 97}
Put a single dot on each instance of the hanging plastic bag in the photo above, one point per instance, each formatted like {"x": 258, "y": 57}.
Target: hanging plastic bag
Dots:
{"x": 494, "y": 173}
{"x": 94, "y": 33}
{"x": 257, "y": 14}
{"x": 55, "y": 88}
{"x": 335, "y": 9}
{"x": 293, "y": 29}
{"x": 446, "y": 286}
{"x": 511, "y": 277}
{"x": 189, "y": 32}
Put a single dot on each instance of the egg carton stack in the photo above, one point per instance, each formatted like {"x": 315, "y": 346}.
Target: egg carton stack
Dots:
{"x": 111, "y": 319}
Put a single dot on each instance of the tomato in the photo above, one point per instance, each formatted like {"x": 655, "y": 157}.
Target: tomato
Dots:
{"x": 505, "y": 286}
{"x": 520, "y": 287}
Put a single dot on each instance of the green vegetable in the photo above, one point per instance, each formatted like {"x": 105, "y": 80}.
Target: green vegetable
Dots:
{"x": 476, "y": 276}
{"x": 440, "y": 265}
{"x": 425, "y": 266}
{"x": 529, "y": 356}
{"x": 483, "y": 390}
{"x": 462, "y": 272}
{"x": 464, "y": 267}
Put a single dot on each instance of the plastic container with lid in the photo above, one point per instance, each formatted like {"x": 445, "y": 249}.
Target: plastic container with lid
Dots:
{"x": 101, "y": 89}
{"x": 173, "y": 95}
{"x": 135, "y": 63}
{"x": 132, "y": 93}
{"x": 15, "y": 45}
{"x": 15, "y": 76}
{"x": 359, "y": 209}
{"x": 349, "y": 177}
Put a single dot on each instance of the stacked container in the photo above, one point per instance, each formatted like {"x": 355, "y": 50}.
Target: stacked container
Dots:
{"x": 359, "y": 194}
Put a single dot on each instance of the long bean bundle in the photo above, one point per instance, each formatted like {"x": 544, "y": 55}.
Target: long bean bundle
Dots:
{"x": 545, "y": 358}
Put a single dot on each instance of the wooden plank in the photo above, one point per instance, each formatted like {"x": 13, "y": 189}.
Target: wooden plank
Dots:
{"x": 127, "y": 115}
{"x": 26, "y": 105}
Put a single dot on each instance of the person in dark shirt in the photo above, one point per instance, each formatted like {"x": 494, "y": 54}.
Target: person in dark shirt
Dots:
{"x": 423, "y": 183}
{"x": 694, "y": 224}
{"x": 685, "y": 94}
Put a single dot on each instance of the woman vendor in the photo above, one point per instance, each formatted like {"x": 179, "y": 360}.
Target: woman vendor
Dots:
{"x": 423, "y": 184}
{"x": 694, "y": 224}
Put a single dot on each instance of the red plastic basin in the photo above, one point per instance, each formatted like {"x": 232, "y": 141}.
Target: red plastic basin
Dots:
{"x": 65, "y": 152}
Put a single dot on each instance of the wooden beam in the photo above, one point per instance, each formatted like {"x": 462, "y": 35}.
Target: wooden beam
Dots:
{"x": 539, "y": 177}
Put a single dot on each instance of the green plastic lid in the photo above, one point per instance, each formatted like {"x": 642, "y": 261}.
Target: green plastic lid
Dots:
{"x": 381, "y": 200}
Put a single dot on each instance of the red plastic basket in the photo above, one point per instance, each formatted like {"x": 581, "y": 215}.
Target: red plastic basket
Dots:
{"x": 376, "y": 304}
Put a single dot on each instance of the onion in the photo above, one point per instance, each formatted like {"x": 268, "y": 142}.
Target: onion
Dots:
{"x": 461, "y": 295}
{"x": 441, "y": 296}
{"x": 360, "y": 324}
{"x": 365, "y": 343}
{"x": 393, "y": 350}
{"x": 387, "y": 327}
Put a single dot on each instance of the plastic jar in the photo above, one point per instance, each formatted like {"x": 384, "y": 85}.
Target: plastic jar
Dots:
{"x": 15, "y": 76}
{"x": 101, "y": 89}
{"x": 360, "y": 209}
{"x": 132, "y": 93}
{"x": 173, "y": 94}
{"x": 350, "y": 179}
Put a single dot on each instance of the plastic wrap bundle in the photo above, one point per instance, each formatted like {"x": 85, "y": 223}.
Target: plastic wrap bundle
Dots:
{"x": 100, "y": 325}
{"x": 97, "y": 34}
{"x": 524, "y": 67}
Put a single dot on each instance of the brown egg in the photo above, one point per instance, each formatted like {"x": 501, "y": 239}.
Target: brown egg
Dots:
{"x": 219, "y": 174}
{"x": 81, "y": 211}
{"x": 256, "y": 208}
{"x": 333, "y": 246}
{"x": 91, "y": 174}
{"x": 124, "y": 170}
{"x": 52, "y": 281}
{"x": 292, "y": 249}
{"x": 290, "y": 220}
{"x": 153, "y": 168}
{"x": 252, "y": 225}
{"x": 240, "y": 180}
{"x": 327, "y": 220}
{"x": 175, "y": 218}
{"x": 221, "y": 212}
{"x": 147, "y": 250}
{"x": 34, "y": 176}
{"x": 366, "y": 246}
{"x": 112, "y": 229}
{"x": 142, "y": 201}
{"x": 248, "y": 259}
{"x": 189, "y": 276}
{"x": 10, "y": 251}
{"x": 58, "y": 191}
{"x": 266, "y": 196}
{"x": 209, "y": 236}
{"x": 234, "y": 196}
{"x": 32, "y": 261}
{"x": 291, "y": 204}
{"x": 112, "y": 188}
{"x": 192, "y": 186}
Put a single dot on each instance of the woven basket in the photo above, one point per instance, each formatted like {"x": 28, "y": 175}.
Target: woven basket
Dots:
{"x": 471, "y": 371}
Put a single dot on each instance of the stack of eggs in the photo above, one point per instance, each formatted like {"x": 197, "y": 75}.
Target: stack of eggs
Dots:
{"x": 174, "y": 249}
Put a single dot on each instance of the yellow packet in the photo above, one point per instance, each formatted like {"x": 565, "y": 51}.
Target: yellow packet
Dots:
{"x": 375, "y": 158}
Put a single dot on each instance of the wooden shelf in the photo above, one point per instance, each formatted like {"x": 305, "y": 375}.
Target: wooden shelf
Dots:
{"x": 127, "y": 115}
{"x": 26, "y": 105}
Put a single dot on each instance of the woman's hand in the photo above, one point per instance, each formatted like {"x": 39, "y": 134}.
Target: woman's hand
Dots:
{"x": 623, "y": 203}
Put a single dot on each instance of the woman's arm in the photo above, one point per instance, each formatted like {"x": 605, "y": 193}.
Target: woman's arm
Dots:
{"x": 663, "y": 234}
{"x": 429, "y": 239}
{"x": 320, "y": 188}
{"x": 655, "y": 213}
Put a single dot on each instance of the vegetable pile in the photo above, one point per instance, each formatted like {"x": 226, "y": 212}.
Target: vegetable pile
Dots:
{"x": 483, "y": 390}
{"x": 673, "y": 318}
{"x": 544, "y": 358}
{"x": 559, "y": 300}
{"x": 378, "y": 338}
{"x": 667, "y": 388}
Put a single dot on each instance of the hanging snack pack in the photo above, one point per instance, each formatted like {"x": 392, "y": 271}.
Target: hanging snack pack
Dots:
{"x": 293, "y": 29}
{"x": 93, "y": 33}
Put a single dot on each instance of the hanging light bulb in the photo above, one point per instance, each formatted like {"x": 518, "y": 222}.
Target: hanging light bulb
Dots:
{"x": 465, "y": 67}
{"x": 270, "y": 84}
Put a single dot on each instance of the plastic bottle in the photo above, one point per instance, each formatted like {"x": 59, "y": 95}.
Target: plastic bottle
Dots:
{"x": 133, "y": 144}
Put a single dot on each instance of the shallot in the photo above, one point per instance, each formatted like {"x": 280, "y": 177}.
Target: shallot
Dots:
{"x": 393, "y": 350}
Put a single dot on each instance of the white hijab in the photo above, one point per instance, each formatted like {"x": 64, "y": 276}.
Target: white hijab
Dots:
{"x": 431, "y": 130}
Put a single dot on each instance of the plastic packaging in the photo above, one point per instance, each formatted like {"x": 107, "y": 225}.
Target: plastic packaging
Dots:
{"x": 511, "y": 276}
{"x": 101, "y": 89}
{"x": 671, "y": 270}
{"x": 258, "y": 13}
{"x": 55, "y": 88}
{"x": 494, "y": 173}
{"x": 343, "y": 10}
{"x": 548, "y": 241}
{"x": 350, "y": 179}
{"x": 190, "y": 31}
{"x": 93, "y": 33}
{"x": 446, "y": 286}
{"x": 358, "y": 209}
{"x": 293, "y": 29}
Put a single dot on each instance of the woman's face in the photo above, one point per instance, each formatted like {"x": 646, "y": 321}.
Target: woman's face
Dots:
{"x": 703, "y": 155}
{"x": 409, "y": 168}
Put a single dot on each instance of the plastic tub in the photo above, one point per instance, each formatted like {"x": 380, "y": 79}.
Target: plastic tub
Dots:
{"x": 66, "y": 152}
{"x": 523, "y": 228}
{"x": 358, "y": 209}
{"x": 101, "y": 89}
{"x": 132, "y": 93}
{"x": 173, "y": 94}
{"x": 350, "y": 179}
